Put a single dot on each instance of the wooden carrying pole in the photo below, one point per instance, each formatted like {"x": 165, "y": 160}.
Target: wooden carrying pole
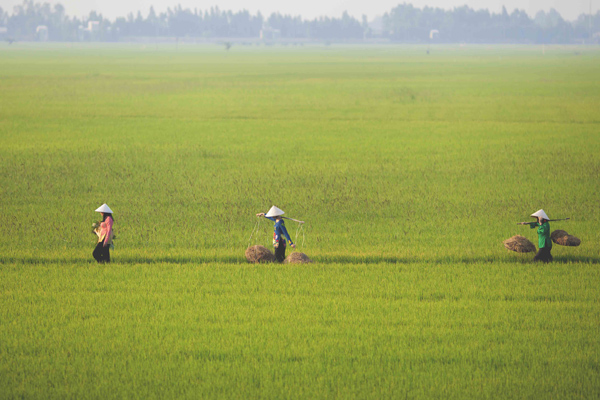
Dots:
{"x": 292, "y": 219}
{"x": 550, "y": 220}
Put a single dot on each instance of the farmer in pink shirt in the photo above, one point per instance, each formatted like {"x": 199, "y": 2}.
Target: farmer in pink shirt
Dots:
{"x": 105, "y": 233}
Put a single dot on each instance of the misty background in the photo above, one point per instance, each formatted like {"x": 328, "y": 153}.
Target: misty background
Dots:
{"x": 310, "y": 9}
{"x": 421, "y": 21}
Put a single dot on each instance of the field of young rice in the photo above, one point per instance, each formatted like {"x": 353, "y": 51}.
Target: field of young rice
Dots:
{"x": 409, "y": 170}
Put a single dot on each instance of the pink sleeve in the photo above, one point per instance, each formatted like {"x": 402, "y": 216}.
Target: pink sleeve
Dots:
{"x": 109, "y": 224}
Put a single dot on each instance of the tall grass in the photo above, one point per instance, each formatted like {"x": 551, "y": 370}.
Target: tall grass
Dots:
{"x": 420, "y": 330}
{"x": 409, "y": 169}
{"x": 380, "y": 152}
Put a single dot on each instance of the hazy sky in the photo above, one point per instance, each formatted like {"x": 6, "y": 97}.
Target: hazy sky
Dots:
{"x": 569, "y": 9}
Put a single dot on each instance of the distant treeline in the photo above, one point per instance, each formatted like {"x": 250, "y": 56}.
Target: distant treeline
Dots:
{"x": 403, "y": 23}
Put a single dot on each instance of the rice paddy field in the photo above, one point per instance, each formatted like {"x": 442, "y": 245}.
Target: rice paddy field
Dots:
{"x": 409, "y": 168}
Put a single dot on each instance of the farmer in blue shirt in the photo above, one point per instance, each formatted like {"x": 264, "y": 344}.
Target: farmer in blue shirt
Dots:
{"x": 280, "y": 233}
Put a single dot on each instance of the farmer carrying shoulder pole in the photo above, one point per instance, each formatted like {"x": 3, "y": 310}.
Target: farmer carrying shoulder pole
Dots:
{"x": 105, "y": 233}
{"x": 275, "y": 215}
{"x": 543, "y": 231}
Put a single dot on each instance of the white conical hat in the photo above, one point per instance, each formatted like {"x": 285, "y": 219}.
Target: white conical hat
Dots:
{"x": 540, "y": 213}
{"x": 274, "y": 212}
{"x": 104, "y": 209}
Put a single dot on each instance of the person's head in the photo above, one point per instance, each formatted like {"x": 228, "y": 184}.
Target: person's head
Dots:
{"x": 540, "y": 216}
{"x": 105, "y": 211}
{"x": 274, "y": 213}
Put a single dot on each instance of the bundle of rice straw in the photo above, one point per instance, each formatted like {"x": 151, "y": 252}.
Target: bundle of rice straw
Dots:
{"x": 297, "y": 258}
{"x": 96, "y": 231}
{"x": 96, "y": 228}
{"x": 520, "y": 244}
{"x": 259, "y": 254}
{"x": 564, "y": 239}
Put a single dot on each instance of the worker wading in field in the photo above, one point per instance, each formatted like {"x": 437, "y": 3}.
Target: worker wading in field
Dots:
{"x": 280, "y": 234}
{"x": 543, "y": 231}
{"x": 105, "y": 235}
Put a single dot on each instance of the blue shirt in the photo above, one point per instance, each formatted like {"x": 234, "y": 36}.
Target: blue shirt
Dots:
{"x": 279, "y": 231}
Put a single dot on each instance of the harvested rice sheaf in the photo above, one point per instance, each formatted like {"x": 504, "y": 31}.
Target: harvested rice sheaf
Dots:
{"x": 520, "y": 244}
{"x": 297, "y": 258}
{"x": 569, "y": 240}
{"x": 564, "y": 239}
{"x": 557, "y": 234}
{"x": 259, "y": 254}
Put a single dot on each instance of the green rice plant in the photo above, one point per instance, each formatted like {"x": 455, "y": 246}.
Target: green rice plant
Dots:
{"x": 409, "y": 170}
{"x": 165, "y": 330}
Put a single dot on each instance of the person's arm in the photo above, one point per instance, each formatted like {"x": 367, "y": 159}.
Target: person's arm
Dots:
{"x": 533, "y": 225}
{"x": 264, "y": 215}
{"x": 287, "y": 235}
{"x": 527, "y": 223}
{"x": 109, "y": 224}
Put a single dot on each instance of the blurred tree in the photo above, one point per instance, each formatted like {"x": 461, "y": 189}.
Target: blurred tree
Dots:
{"x": 403, "y": 23}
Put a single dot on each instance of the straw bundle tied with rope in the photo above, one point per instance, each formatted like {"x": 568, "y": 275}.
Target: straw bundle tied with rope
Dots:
{"x": 564, "y": 239}
{"x": 520, "y": 244}
{"x": 259, "y": 254}
{"x": 297, "y": 258}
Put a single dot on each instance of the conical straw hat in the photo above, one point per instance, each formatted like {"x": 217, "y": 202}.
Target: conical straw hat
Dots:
{"x": 540, "y": 213}
{"x": 104, "y": 209}
{"x": 274, "y": 212}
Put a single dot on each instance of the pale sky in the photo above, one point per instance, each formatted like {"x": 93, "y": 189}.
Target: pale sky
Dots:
{"x": 569, "y": 9}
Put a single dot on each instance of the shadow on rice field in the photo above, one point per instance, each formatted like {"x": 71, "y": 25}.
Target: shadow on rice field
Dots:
{"x": 337, "y": 259}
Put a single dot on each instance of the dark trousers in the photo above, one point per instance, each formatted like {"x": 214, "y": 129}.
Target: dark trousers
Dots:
{"x": 101, "y": 253}
{"x": 543, "y": 255}
{"x": 280, "y": 251}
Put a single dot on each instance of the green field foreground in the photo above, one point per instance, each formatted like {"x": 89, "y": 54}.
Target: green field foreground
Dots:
{"x": 350, "y": 331}
{"x": 410, "y": 169}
